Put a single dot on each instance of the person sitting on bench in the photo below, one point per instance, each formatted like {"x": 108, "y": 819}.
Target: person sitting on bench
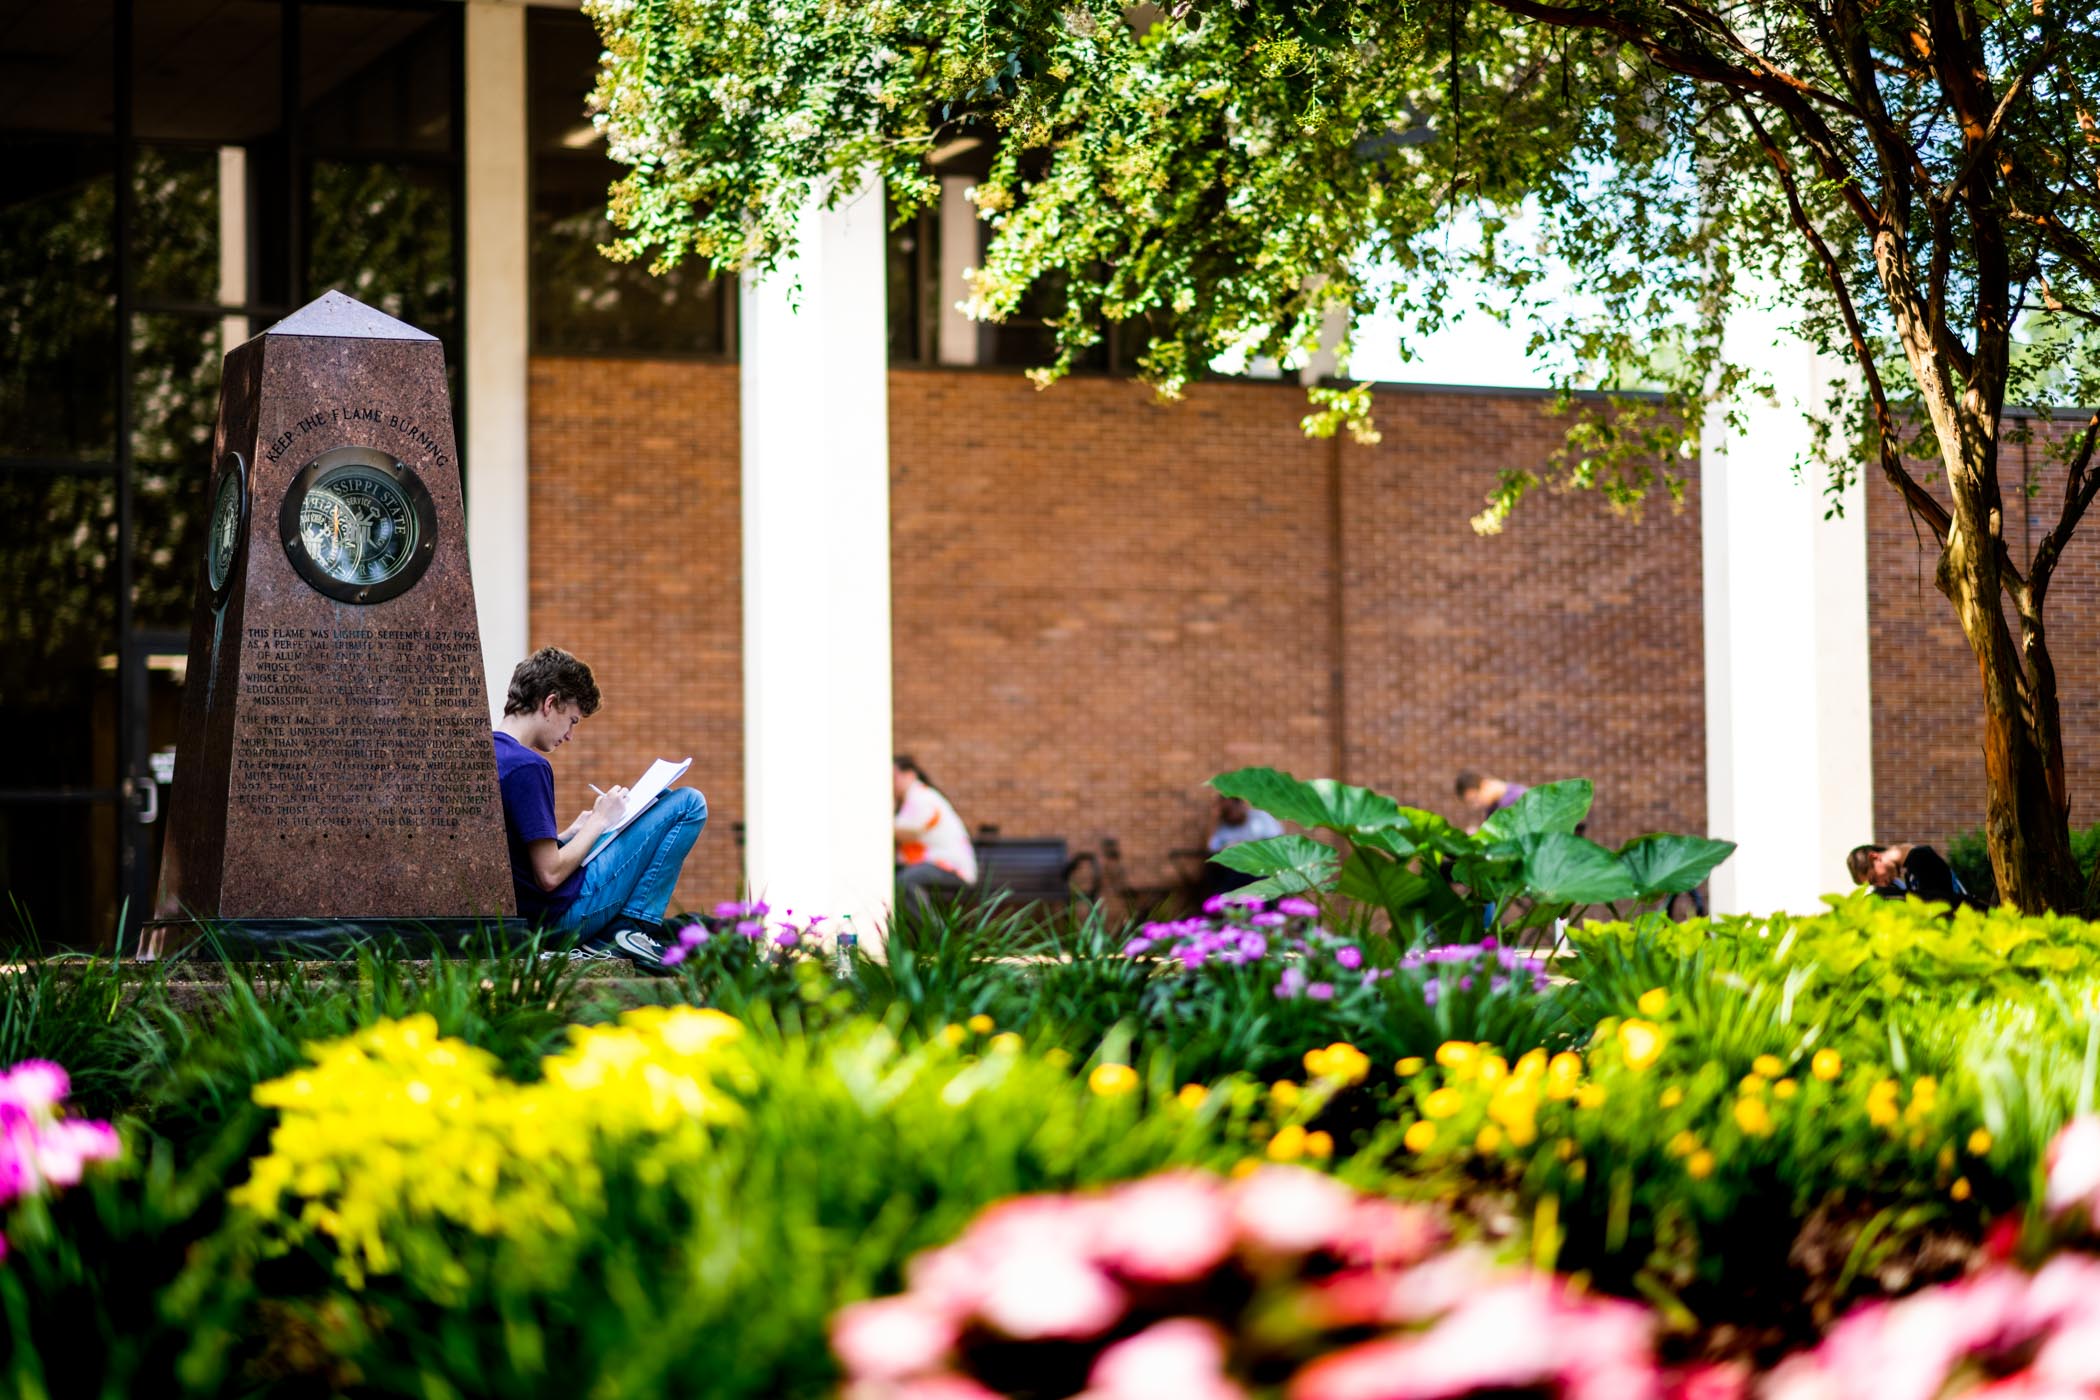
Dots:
{"x": 1895, "y": 871}
{"x": 614, "y": 906}
{"x": 933, "y": 850}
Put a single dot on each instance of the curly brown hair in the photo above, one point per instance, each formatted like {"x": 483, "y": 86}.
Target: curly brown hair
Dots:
{"x": 551, "y": 671}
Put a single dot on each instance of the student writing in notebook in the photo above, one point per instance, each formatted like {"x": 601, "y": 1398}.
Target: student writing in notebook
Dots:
{"x": 614, "y": 905}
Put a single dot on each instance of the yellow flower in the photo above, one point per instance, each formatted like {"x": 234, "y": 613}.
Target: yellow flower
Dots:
{"x": 1288, "y": 1145}
{"x": 1642, "y": 1043}
{"x": 952, "y": 1034}
{"x": 1487, "y": 1139}
{"x": 1006, "y": 1043}
{"x": 1786, "y": 1089}
{"x": 981, "y": 1024}
{"x": 1961, "y": 1189}
{"x": 1700, "y": 1165}
{"x": 1683, "y": 1144}
{"x": 1653, "y": 1002}
{"x": 1244, "y": 1168}
{"x": 1112, "y": 1081}
{"x": 1826, "y": 1064}
{"x": 1419, "y": 1137}
{"x": 1980, "y": 1142}
{"x": 1443, "y": 1103}
{"x": 1453, "y": 1053}
{"x": 1409, "y": 1065}
{"x": 1057, "y": 1057}
{"x": 1532, "y": 1064}
{"x": 1752, "y": 1116}
{"x": 1192, "y": 1096}
{"x": 1881, "y": 1103}
{"x": 1340, "y": 1061}
{"x": 1563, "y": 1072}
{"x": 1752, "y": 1084}
{"x": 1565, "y": 1149}
{"x": 1670, "y": 1097}
{"x": 1768, "y": 1065}
{"x": 1319, "y": 1146}
{"x": 1589, "y": 1096}
{"x": 1284, "y": 1094}
{"x": 1946, "y": 1157}
{"x": 1493, "y": 1070}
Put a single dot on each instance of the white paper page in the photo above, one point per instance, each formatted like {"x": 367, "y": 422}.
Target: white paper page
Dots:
{"x": 650, "y": 786}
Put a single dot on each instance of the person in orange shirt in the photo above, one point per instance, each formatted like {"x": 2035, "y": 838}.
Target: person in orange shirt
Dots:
{"x": 933, "y": 849}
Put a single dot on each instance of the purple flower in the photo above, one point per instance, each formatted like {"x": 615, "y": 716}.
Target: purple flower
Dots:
{"x": 1349, "y": 956}
{"x": 1321, "y": 991}
{"x": 751, "y": 928}
{"x": 1271, "y": 920}
{"x": 1137, "y": 947}
{"x": 1191, "y": 955}
{"x": 1297, "y": 907}
{"x": 1499, "y": 984}
{"x": 729, "y": 909}
{"x": 1290, "y": 985}
{"x": 1253, "y": 948}
{"x": 1432, "y": 990}
{"x": 1489, "y": 944}
{"x": 693, "y": 936}
{"x": 1465, "y": 984}
{"x": 674, "y": 956}
{"x": 787, "y": 938}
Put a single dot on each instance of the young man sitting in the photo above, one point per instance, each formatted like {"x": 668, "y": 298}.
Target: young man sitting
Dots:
{"x": 614, "y": 906}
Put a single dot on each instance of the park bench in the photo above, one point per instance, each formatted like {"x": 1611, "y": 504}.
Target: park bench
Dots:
{"x": 1030, "y": 870}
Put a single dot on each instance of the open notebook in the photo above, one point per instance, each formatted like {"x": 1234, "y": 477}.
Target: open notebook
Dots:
{"x": 650, "y": 786}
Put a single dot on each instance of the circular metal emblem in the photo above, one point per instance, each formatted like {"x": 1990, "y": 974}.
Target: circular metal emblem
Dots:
{"x": 229, "y": 521}
{"x": 358, "y": 525}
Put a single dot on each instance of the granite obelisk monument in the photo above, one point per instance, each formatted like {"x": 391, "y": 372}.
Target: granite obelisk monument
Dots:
{"x": 334, "y": 771}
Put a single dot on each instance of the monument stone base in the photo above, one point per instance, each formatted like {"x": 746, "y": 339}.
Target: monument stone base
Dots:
{"x": 308, "y": 939}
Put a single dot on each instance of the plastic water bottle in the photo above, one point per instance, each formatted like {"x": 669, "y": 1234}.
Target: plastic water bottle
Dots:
{"x": 844, "y": 947}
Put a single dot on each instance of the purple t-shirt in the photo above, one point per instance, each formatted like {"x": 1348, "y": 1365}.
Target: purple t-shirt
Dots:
{"x": 527, "y": 780}
{"x": 1508, "y": 798}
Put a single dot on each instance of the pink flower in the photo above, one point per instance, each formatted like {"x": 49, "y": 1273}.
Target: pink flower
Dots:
{"x": 35, "y": 1086}
{"x": 1052, "y": 1294}
{"x": 1349, "y": 956}
{"x": 1181, "y": 1357}
{"x": 1297, "y": 907}
{"x": 1166, "y": 1229}
{"x": 890, "y": 1338}
{"x": 2074, "y": 1167}
{"x": 1289, "y": 1210}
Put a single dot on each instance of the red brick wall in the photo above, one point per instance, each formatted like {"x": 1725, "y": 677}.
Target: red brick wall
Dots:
{"x": 1101, "y": 601}
{"x": 1568, "y": 646}
{"x": 1928, "y": 698}
{"x": 636, "y": 567}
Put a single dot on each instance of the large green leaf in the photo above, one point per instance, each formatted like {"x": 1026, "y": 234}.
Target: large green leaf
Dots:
{"x": 1548, "y": 807}
{"x": 1321, "y": 802}
{"x": 1561, "y": 868}
{"x": 1385, "y": 884}
{"x": 1290, "y": 864}
{"x": 1665, "y": 864}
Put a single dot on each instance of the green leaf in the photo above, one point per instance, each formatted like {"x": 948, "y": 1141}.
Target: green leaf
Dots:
{"x": 1321, "y": 802}
{"x": 1564, "y": 869}
{"x": 1548, "y": 807}
{"x": 1291, "y": 864}
{"x": 1387, "y": 884}
{"x": 1665, "y": 864}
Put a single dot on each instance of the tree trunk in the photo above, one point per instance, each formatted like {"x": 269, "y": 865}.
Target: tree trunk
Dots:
{"x": 2026, "y": 799}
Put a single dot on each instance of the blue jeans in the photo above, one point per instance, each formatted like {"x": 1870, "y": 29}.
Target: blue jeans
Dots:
{"x": 632, "y": 881}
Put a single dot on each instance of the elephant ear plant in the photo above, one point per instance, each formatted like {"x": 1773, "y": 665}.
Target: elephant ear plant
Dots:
{"x": 1521, "y": 871}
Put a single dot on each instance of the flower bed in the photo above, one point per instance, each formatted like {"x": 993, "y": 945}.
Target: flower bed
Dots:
{"x": 1261, "y": 1151}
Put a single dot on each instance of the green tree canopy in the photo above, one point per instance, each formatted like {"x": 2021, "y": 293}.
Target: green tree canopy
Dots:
{"x": 1915, "y": 182}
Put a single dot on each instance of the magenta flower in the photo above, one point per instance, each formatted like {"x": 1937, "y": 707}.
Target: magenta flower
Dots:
{"x": 1297, "y": 907}
{"x": 787, "y": 938}
{"x": 887, "y": 1339}
{"x": 1291, "y": 985}
{"x": 1168, "y": 1228}
{"x": 40, "y": 1150}
{"x": 1349, "y": 956}
{"x": 1320, "y": 991}
{"x": 674, "y": 955}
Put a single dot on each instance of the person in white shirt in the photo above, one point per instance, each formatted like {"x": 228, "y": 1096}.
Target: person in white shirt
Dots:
{"x": 1237, "y": 822}
{"x": 933, "y": 848}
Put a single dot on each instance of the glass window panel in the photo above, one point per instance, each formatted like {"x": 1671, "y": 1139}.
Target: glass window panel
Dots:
{"x": 382, "y": 233}
{"x": 57, "y": 69}
{"x": 175, "y": 223}
{"x": 175, "y": 368}
{"x": 206, "y": 71}
{"x": 58, "y": 539}
{"x": 58, "y": 300}
{"x": 378, "y": 80}
{"x": 582, "y": 301}
{"x": 58, "y": 866}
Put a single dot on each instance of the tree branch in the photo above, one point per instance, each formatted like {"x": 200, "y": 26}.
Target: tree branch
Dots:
{"x": 2079, "y": 489}
{"x": 1921, "y": 501}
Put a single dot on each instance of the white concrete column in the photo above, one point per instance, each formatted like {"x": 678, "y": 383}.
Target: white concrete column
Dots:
{"x": 959, "y": 336}
{"x": 497, "y": 371}
{"x": 233, "y": 243}
{"x": 816, "y": 518}
{"x": 1789, "y": 734}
